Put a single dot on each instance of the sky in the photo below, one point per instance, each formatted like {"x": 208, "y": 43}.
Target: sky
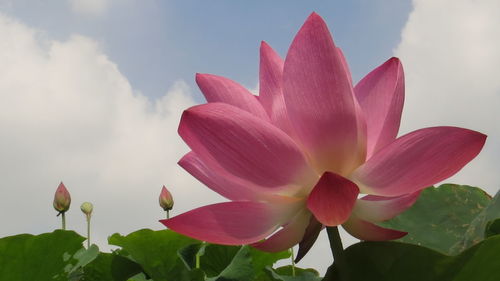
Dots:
{"x": 91, "y": 92}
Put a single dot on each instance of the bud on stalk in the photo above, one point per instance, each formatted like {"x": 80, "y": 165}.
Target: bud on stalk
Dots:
{"x": 62, "y": 201}
{"x": 166, "y": 200}
{"x": 87, "y": 209}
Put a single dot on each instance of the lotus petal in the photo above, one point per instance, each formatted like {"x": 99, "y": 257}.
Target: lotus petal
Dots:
{"x": 368, "y": 231}
{"x": 417, "y": 160}
{"x": 332, "y": 199}
{"x": 319, "y": 99}
{"x": 229, "y": 223}
{"x": 381, "y": 96}
{"x": 244, "y": 145}
{"x": 220, "y": 89}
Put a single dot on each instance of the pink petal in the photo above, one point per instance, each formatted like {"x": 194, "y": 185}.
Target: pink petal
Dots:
{"x": 270, "y": 76}
{"x": 361, "y": 124}
{"x": 244, "y": 146}
{"x": 221, "y": 181}
{"x": 345, "y": 64}
{"x": 220, "y": 89}
{"x": 319, "y": 99}
{"x": 229, "y": 223}
{"x": 270, "y": 87}
{"x": 378, "y": 208}
{"x": 417, "y": 160}
{"x": 381, "y": 97}
{"x": 367, "y": 231}
{"x": 310, "y": 237}
{"x": 332, "y": 199}
{"x": 291, "y": 234}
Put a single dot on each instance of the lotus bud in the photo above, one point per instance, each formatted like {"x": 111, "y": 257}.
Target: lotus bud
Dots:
{"x": 62, "y": 199}
{"x": 166, "y": 200}
{"x": 87, "y": 208}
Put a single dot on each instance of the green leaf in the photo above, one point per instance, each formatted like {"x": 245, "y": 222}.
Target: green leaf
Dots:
{"x": 492, "y": 228}
{"x": 441, "y": 216}
{"x": 137, "y": 277}
{"x": 285, "y": 273}
{"x": 111, "y": 266}
{"x": 82, "y": 257}
{"x": 188, "y": 254}
{"x": 475, "y": 232}
{"x": 261, "y": 260}
{"x": 394, "y": 261}
{"x": 288, "y": 270}
{"x": 240, "y": 268}
{"x": 217, "y": 258}
{"x": 40, "y": 257}
{"x": 155, "y": 251}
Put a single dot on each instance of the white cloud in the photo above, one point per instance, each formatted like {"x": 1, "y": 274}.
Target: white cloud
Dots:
{"x": 89, "y": 7}
{"x": 450, "y": 52}
{"x": 67, "y": 113}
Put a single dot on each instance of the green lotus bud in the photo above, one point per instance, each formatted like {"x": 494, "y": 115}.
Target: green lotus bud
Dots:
{"x": 166, "y": 200}
{"x": 62, "y": 199}
{"x": 87, "y": 208}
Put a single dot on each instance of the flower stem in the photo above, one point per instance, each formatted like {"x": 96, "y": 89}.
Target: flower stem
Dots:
{"x": 337, "y": 252}
{"x": 168, "y": 214}
{"x": 197, "y": 260}
{"x": 88, "y": 231}
{"x": 293, "y": 262}
{"x": 198, "y": 255}
{"x": 63, "y": 218}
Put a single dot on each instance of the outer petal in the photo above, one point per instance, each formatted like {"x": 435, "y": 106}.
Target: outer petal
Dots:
{"x": 378, "y": 208}
{"x": 221, "y": 181}
{"x": 310, "y": 236}
{"x": 417, "y": 160}
{"x": 381, "y": 96}
{"x": 359, "y": 112}
{"x": 319, "y": 99}
{"x": 230, "y": 223}
{"x": 270, "y": 87}
{"x": 345, "y": 64}
{"x": 244, "y": 145}
{"x": 290, "y": 235}
{"x": 368, "y": 231}
{"x": 270, "y": 77}
{"x": 332, "y": 199}
{"x": 220, "y": 89}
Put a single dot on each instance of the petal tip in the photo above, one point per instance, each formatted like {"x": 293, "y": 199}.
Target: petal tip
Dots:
{"x": 200, "y": 77}
{"x": 394, "y": 60}
{"x": 314, "y": 16}
{"x": 314, "y": 20}
{"x": 393, "y": 63}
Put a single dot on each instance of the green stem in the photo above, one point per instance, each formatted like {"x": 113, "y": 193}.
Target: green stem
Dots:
{"x": 168, "y": 214}
{"x": 197, "y": 260}
{"x": 63, "y": 218}
{"x": 337, "y": 252}
{"x": 198, "y": 256}
{"x": 88, "y": 231}
{"x": 293, "y": 262}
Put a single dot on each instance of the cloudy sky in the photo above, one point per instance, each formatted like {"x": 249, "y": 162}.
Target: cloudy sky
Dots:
{"x": 91, "y": 92}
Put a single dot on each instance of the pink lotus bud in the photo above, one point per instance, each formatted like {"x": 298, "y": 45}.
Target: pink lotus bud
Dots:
{"x": 87, "y": 208}
{"x": 62, "y": 199}
{"x": 166, "y": 200}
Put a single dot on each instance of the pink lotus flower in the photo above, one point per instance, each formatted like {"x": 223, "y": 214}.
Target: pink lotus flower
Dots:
{"x": 62, "y": 199}
{"x": 297, "y": 157}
